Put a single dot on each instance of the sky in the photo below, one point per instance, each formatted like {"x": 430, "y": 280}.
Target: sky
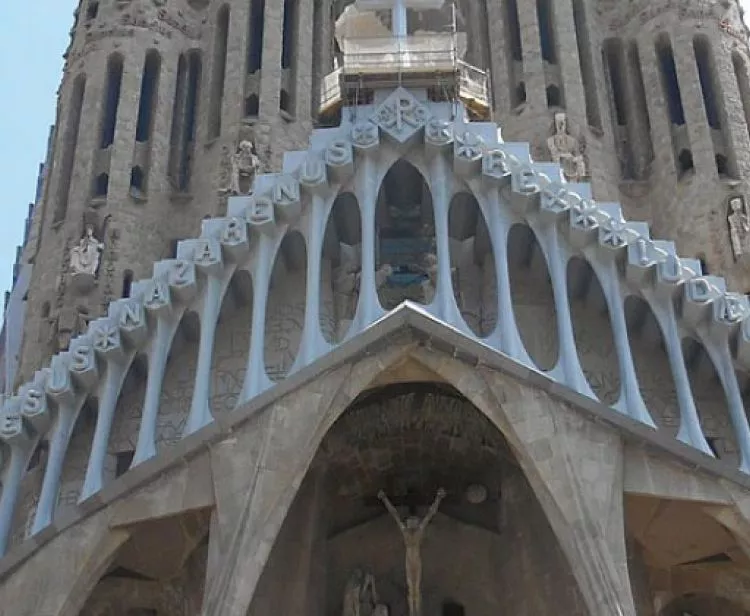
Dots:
{"x": 31, "y": 46}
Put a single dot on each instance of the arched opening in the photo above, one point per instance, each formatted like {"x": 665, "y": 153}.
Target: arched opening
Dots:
{"x": 252, "y": 106}
{"x": 722, "y": 166}
{"x": 546, "y": 21}
{"x": 111, "y": 100}
{"x": 137, "y": 187}
{"x": 92, "y": 10}
{"x": 69, "y": 144}
{"x": 554, "y": 96}
{"x": 472, "y": 264}
{"x": 406, "y": 251}
{"x": 232, "y": 344}
{"x": 77, "y": 457}
{"x": 486, "y": 543}
{"x": 160, "y": 566}
{"x": 285, "y": 103}
{"x": 711, "y": 401}
{"x": 123, "y": 438}
{"x": 255, "y": 38}
{"x": 669, "y": 81}
{"x": 652, "y": 366}
{"x": 743, "y": 83}
{"x": 592, "y": 329}
{"x": 179, "y": 383}
{"x": 147, "y": 101}
{"x": 127, "y": 283}
{"x": 341, "y": 268}
{"x": 285, "y": 312}
{"x": 219, "y": 72}
{"x": 101, "y": 185}
{"x": 184, "y": 113}
{"x": 533, "y": 298}
{"x": 685, "y": 162}
{"x": 586, "y": 61}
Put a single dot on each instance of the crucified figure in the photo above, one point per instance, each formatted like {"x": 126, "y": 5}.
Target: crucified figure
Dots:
{"x": 412, "y": 530}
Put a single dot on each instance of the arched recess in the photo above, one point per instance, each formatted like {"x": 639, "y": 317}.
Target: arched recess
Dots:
{"x": 285, "y": 312}
{"x": 232, "y": 344}
{"x": 533, "y": 299}
{"x": 123, "y": 438}
{"x": 179, "y": 382}
{"x": 652, "y": 367}
{"x": 406, "y": 249}
{"x": 592, "y": 329}
{"x": 341, "y": 267}
{"x": 472, "y": 264}
{"x": 711, "y": 401}
{"x": 77, "y": 457}
{"x": 483, "y": 550}
{"x": 701, "y": 604}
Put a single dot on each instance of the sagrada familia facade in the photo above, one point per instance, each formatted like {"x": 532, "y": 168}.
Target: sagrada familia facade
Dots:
{"x": 385, "y": 307}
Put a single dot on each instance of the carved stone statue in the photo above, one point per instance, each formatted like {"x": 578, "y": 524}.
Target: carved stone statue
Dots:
{"x": 361, "y": 597}
{"x": 412, "y": 529}
{"x": 244, "y": 166}
{"x": 566, "y": 150}
{"x": 382, "y": 274}
{"x": 739, "y": 226}
{"x": 346, "y": 286}
{"x": 85, "y": 256}
{"x": 429, "y": 285}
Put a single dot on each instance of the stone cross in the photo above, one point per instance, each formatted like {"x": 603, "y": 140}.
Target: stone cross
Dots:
{"x": 398, "y": 10}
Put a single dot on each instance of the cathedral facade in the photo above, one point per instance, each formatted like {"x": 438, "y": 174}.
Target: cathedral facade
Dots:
{"x": 379, "y": 307}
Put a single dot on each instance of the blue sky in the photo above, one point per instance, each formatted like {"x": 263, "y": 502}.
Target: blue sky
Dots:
{"x": 31, "y": 47}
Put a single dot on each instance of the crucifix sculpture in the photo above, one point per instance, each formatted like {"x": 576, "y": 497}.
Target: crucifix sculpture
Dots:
{"x": 412, "y": 529}
{"x": 398, "y": 10}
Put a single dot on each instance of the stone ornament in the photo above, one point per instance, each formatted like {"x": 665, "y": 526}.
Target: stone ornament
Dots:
{"x": 361, "y": 596}
{"x": 566, "y": 150}
{"x": 244, "y": 163}
{"x": 739, "y": 226}
{"x": 401, "y": 116}
{"x": 85, "y": 256}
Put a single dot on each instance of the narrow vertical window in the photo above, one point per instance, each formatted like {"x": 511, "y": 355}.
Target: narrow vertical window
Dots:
{"x": 69, "y": 146}
{"x": 219, "y": 72}
{"x": 712, "y": 101}
{"x": 704, "y": 62}
{"x": 255, "y": 39}
{"x": 613, "y": 56}
{"x": 111, "y": 100}
{"x": 127, "y": 283}
{"x": 546, "y": 30}
{"x": 182, "y": 141}
{"x": 743, "y": 84}
{"x": 288, "y": 49}
{"x": 642, "y": 138}
{"x": 670, "y": 83}
{"x": 586, "y": 61}
{"x": 147, "y": 102}
{"x": 514, "y": 53}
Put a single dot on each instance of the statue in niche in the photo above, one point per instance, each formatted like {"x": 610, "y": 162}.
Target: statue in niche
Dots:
{"x": 739, "y": 226}
{"x": 361, "y": 597}
{"x": 566, "y": 150}
{"x": 412, "y": 530}
{"x": 382, "y": 274}
{"x": 85, "y": 256}
{"x": 346, "y": 287}
{"x": 429, "y": 285}
{"x": 245, "y": 164}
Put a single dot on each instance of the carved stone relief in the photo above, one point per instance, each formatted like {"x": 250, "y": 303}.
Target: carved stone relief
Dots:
{"x": 738, "y": 219}
{"x": 567, "y": 150}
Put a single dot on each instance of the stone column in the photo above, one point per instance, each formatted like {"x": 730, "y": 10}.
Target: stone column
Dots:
{"x": 738, "y": 140}
{"x": 701, "y": 142}
{"x": 303, "y": 61}
{"x": 499, "y": 60}
{"x": 533, "y": 65}
{"x": 161, "y": 134}
{"x": 270, "y": 79}
{"x": 570, "y": 67}
{"x": 233, "y": 104}
{"x": 121, "y": 158}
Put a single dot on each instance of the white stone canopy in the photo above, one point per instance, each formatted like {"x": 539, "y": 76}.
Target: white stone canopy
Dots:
{"x": 452, "y": 155}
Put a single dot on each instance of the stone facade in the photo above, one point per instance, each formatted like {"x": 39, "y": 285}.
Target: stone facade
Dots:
{"x": 216, "y": 416}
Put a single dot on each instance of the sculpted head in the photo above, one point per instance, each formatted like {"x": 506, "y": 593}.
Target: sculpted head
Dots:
{"x": 736, "y": 204}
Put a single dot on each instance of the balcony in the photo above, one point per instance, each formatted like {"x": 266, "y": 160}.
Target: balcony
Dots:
{"x": 428, "y": 61}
